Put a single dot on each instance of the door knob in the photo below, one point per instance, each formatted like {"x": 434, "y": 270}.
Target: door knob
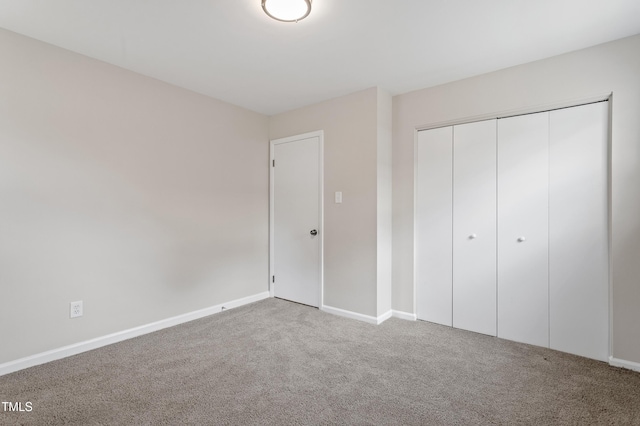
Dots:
{"x": 521, "y": 239}
{"x": 473, "y": 236}
{"x": 314, "y": 232}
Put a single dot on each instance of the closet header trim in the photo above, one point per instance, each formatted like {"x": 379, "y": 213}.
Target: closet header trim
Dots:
{"x": 522, "y": 111}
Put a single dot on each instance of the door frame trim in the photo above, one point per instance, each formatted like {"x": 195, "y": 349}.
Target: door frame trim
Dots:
{"x": 272, "y": 143}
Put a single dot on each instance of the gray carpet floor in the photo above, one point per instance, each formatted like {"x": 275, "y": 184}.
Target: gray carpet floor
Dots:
{"x": 275, "y": 362}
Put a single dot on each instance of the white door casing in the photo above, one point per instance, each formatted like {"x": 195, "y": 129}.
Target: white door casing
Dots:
{"x": 296, "y": 218}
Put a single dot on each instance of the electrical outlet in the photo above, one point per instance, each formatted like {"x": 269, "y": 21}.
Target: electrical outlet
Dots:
{"x": 75, "y": 309}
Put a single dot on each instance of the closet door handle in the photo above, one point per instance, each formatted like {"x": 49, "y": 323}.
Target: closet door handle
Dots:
{"x": 473, "y": 236}
{"x": 521, "y": 239}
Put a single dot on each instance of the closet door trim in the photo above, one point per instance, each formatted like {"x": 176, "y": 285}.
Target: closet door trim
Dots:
{"x": 514, "y": 112}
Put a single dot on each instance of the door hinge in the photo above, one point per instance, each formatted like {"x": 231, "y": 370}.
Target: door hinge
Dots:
{"x": 273, "y": 279}
{"x": 273, "y": 163}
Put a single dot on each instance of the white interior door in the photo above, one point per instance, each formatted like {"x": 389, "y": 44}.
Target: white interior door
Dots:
{"x": 578, "y": 258}
{"x": 434, "y": 212}
{"x": 474, "y": 227}
{"x": 523, "y": 230}
{"x": 296, "y": 231}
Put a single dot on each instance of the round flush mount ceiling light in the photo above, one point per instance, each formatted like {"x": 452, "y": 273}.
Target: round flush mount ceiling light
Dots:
{"x": 287, "y": 10}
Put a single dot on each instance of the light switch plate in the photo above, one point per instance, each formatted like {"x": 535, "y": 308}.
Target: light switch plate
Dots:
{"x": 338, "y": 197}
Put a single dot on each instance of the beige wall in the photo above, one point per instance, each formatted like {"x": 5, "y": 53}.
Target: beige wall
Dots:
{"x": 143, "y": 200}
{"x": 612, "y": 67}
{"x": 350, "y": 165}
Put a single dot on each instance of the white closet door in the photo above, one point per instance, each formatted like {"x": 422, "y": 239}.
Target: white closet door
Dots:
{"x": 578, "y": 258}
{"x": 434, "y": 225}
{"x": 523, "y": 191}
{"x": 474, "y": 227}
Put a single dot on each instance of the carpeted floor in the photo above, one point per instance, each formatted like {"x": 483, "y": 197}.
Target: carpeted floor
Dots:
{"x": 276, "y": 362}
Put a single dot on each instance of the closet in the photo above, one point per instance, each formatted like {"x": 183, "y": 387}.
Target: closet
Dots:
{"x": 511, "y": 228}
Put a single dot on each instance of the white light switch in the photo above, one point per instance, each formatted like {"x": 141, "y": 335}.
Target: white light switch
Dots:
{"x": 338, "y": 197}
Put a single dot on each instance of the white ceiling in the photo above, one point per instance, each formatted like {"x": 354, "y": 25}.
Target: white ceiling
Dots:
{"x": 231, "y": 50}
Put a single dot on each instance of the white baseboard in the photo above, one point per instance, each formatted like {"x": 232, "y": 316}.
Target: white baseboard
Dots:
{"x": 382, "y": 318}
{"x": 629, "y": 365}
{"x": 356, "y": 316}
{"x": 98, "y": 342}
{"x": 405, "y": 316}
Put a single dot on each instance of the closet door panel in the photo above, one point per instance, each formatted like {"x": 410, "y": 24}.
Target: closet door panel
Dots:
{"x": 523, "y": 188}
{"x": 579, "y": 291}
{"x": 434, "y": 210}
{"x": 474, "y": 227}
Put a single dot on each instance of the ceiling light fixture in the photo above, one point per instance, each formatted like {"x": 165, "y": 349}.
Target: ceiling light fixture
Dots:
{"x": 287, "y": 10}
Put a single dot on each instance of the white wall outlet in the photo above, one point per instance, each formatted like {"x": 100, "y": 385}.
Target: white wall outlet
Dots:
{"x": 338, "y": 197}
{"x": 75, "y": 309}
